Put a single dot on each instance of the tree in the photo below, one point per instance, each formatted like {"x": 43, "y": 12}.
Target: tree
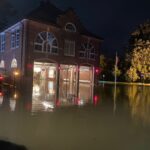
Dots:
{"x": 132, "y": 75}
{"x": 102, "y": 61}
{"x": 140, "y": 61}
{"x": 138, "y": 55}
{"x": 116, "y": 71}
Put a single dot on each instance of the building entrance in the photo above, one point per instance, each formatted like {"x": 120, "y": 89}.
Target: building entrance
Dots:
{"x": 68, "y": 82}
{"x": 44, "y": 81}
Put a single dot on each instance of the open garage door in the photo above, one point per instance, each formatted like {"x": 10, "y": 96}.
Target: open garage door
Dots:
{"x": 44, "y": 83}
{"x": 86, "y": 74}
{"x": 68, "y": 82}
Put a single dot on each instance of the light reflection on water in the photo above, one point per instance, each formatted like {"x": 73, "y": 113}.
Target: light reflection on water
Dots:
{"x": 45, "y": 98}
{"x": 108, "y": 119}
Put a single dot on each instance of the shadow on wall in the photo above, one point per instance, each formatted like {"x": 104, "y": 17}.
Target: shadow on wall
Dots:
{"x": 5, "y": 145}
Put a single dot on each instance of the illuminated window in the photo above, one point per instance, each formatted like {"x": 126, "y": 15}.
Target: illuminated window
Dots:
{"x": 14, "y": 63}
{"x": 70, "y": 27}
{"x": 15, "y": 38}
{"x": 51, "y": 74}
{"x": 47, "y": 43}
{"x": 2, "y": 42}
{"x": 2, "y": 64}
{"x": 37, "y": 69}
{"x": 87, "y": 51}
{"x": 51, "y": 87}
{"x": 69, "y": 49}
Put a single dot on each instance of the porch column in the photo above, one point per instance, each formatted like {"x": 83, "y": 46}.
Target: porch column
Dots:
{"x": 57, "y": 81}
{"x": 93, "y": 76}
{"x": 77, "y": 80}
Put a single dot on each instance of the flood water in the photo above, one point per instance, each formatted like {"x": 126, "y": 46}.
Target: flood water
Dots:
{"x": 107, "y": 118}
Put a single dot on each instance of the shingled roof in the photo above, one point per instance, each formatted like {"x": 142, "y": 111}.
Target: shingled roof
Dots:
{"x": 46, "y": 12}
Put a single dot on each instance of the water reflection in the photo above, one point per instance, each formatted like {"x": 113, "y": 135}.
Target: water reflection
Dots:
{"x": 132, "y": 98}
{"x": 135, "y": 99}
{"x": 139, "y": 102}
{"x": 73, "y": 126}
{"x": 1, "y": 98}
{"x": 45, "y": 98}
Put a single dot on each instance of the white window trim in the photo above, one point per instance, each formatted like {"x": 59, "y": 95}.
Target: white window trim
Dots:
{"x": 14, "y": 63}
{"x": 69, "y": 23}
{"x": 15, "y": 42}
{"x": 87, "y": 53}
{"x": 48, "y": 42}
{"x": 2, "y": 64}
{"x": 69, "y": 50}
{"x": 2, "y": 42}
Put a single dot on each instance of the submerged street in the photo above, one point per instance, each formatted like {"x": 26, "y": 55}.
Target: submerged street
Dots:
{"x": 99, "y": 119}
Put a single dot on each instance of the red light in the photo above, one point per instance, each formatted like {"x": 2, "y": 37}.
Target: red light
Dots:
{"x": 78, "y": 69}
{"x": 95, "y": 99}
{"x": 1, "y": 78}
{"x": 58, "y": 67}
{"x": 1, "y": 94}
{"x": 77, "y": 101}
{"x": 98, "y": 70}
{"x": 58, "y": 103}
{"x": 30, "y": 66}
{"x": 28, "y": 106}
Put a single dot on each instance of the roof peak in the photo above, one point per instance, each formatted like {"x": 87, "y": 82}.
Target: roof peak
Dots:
{"x": 45, "y": 2}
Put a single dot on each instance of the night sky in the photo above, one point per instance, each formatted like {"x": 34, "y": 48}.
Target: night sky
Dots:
{"x": 113, "y": 20}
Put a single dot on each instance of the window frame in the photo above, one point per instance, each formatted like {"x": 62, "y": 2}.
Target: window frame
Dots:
{"x": 14, "y": 63}
{"x": 69, "y": 30}
{"x": 15, "y": 38}
{"x": 2, "y": 42}
{"x": 46, "y": 42}
{"x": 68, "y": 44}
{"x": 87, "y": 51}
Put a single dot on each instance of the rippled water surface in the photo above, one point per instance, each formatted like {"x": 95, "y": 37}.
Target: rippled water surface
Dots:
{"x": 107, "y": 118}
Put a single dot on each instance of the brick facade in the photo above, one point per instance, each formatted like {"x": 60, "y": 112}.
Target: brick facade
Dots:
{"x": 30, "y": 28}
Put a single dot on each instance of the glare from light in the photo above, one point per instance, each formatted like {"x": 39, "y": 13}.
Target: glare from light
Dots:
{"x": 36, "y": 90}
{"x": 48, "y": 105}
{"x": 15, "y": 96}
{"x": 1, "y": 100}
{"x": 37, "y": 69}
{"x": 16, "y": 73}
{"x": 12, "y": 105}
{"x": 81, "y": 102}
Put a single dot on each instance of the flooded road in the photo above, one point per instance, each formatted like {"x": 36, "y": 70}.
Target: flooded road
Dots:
{"x": 105, "y": 118}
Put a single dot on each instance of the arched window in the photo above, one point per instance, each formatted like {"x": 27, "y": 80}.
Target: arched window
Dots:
{"x": 70, "y": 27}
{"x": 14, "y": 63}
{"x": 2, "y": 64}
{"x": 46, "y": 42}
{"x": 87, "y": 51}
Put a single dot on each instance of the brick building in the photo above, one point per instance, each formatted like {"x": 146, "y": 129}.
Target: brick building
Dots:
{"x": 50, "y": 44}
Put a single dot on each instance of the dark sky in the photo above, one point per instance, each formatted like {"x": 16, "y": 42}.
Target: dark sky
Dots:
{"x": 113, "y": 20}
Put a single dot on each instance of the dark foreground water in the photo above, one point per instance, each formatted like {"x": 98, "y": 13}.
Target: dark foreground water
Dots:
{"x": 108, "y": 119}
